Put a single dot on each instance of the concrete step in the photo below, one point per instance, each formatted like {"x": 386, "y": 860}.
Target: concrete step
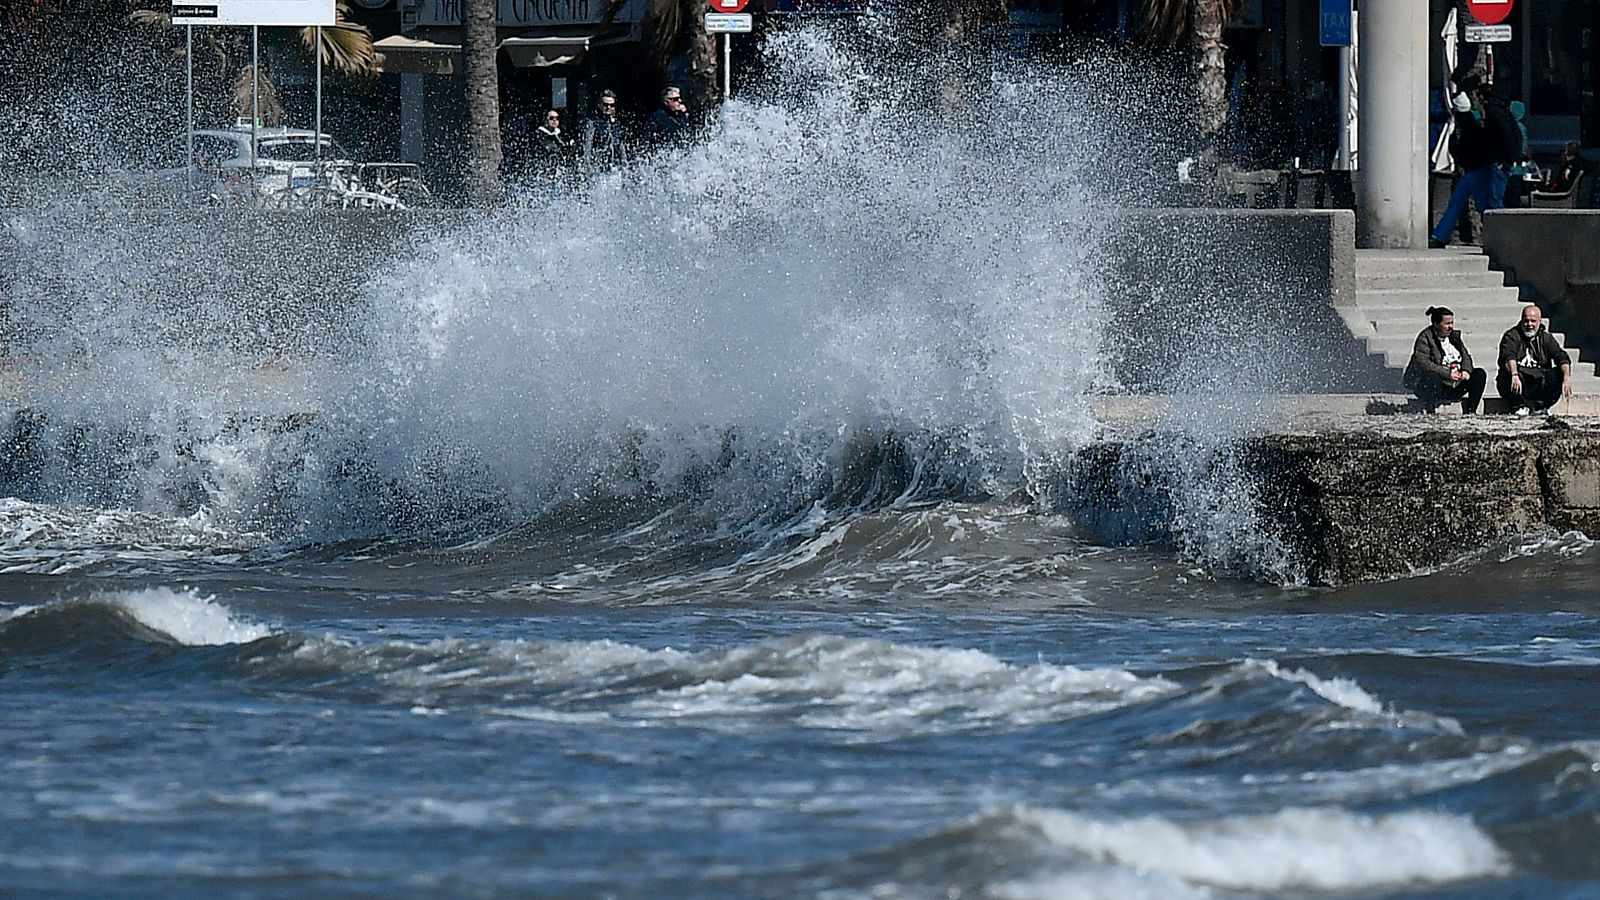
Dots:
{"x": 1135, "y": 408}
{"x": 1419, "y": 262}
{"x": 1415, "y": 282}
{"x": 1398, "y": 341}
{"x": 1447, "y": 294}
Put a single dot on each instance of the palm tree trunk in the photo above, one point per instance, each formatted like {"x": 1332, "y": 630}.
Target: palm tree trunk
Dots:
{"x": 481, "y": 83}
{"x": 705, "y": 63}
{"x": 1207, "y": 18}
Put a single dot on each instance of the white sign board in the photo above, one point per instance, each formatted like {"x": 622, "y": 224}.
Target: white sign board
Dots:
{"x": 1488, "y": 34}
{"x": 254, "y": 12}
{"x": 730, "y": 23}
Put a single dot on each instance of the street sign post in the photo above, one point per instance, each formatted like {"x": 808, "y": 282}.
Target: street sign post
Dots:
{"x": 255, "y": 13}
{"x": 1335, "y": 27}
{"x": 728, "y": 23}
{"x": 1490, "y": 12}
{"x": 1488, "y": 34}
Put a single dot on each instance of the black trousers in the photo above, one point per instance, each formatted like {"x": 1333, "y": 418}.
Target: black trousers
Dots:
{"x": 1434, "y": 392}
{"x": 1541, "y": 388}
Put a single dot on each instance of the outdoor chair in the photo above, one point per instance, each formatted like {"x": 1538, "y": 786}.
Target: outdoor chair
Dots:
{"x": 1575, "y": 197}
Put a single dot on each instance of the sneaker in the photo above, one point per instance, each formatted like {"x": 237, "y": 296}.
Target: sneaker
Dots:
{"x": 1436, "y": 244}
{"x": 1521, "y": 412}
{"x": 1544, "y": 411}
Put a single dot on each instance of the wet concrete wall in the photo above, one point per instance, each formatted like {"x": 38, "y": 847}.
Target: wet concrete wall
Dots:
{"x": 1553, "y": 256}
{"x": 1373, "y": 498}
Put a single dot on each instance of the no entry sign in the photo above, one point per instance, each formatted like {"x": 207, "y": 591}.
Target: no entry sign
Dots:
{"x": 728, "y": 6}
{"x": 1489, "y": 12}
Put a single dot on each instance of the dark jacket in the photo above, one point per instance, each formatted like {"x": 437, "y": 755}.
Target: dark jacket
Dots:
{"x": 1470, "y": 146}
{"x": 1502, "y": 135}
{"x": 1547, "y": 352}
{"x": 1427, "y": 358}
{"x": 605, "y": 141}
{"x": 668, "y": 127}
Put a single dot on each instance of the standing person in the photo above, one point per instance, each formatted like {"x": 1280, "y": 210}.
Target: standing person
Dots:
{"x": 670, "y": 123}
{"x": 1482, "y": 179}
{"x": 553, "y": 143}
{"x": 1441, "y": 369}
{"x": 605, "y": 141}
{"x": 1534, "y": 371}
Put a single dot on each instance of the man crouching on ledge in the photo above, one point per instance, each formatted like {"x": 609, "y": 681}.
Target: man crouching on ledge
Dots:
{"x": 1534, "y": 371}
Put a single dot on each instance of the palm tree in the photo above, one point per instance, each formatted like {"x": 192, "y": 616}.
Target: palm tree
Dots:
{"x": 480, "y": 48}
{"x": 1197, "y": 25}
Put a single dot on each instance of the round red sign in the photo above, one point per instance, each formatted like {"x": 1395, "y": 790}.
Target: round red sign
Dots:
{"x": 733, "y": 6}
{"x": 1489, "y": 12}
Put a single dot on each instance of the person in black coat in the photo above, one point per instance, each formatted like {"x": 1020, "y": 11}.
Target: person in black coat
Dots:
{"x": 1477, "y": 154}
{"x": 1441, "y": 369}
{"x": 1535, "y": 371}
{"x": 670, "y": 123}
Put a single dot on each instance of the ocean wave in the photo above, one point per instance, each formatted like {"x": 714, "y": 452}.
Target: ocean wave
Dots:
{"x": 158, "y": 614}
{"x": 865, "y": 688}
{"x": 1297, "y": 849}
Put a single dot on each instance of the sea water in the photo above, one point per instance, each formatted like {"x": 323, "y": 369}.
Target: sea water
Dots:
{"x": 607, "y": 562}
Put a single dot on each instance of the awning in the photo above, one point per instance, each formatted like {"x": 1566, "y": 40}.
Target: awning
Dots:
{"x": 416, "y": 56}
{"x": 546, "y": 50}
{"x": 436, "y": 52}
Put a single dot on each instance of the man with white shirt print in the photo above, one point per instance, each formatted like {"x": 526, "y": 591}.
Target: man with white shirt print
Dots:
{"x": 1534, "y": 371}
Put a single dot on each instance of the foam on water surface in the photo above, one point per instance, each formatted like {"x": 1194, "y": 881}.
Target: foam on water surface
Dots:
{"x": 1318, "y": 849}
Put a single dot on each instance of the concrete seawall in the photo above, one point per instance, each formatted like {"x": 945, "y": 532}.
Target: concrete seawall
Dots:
{"x": 1359, "y": 498}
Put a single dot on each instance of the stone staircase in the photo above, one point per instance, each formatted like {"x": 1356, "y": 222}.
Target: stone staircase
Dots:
{"x": 1394, "y": 289}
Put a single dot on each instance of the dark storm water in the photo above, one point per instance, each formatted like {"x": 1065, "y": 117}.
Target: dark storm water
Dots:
{"x": 957, "y": 699}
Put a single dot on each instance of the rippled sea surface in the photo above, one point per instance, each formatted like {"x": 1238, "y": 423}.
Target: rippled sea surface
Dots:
{"x": 959, "y": 699}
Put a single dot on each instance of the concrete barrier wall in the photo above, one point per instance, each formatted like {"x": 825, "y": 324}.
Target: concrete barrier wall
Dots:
{"x": 1238, "y": 299}
{"x": 1553, "y": 255}
{"x": 1195, "y": 297}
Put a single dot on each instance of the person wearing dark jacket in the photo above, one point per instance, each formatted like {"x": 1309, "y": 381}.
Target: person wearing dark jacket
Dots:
{"x": 1534, "y": 371}
{"x": 1441, "y": 369}
{"x": 670, "y": 124}
{"x": 1477, "y": 155}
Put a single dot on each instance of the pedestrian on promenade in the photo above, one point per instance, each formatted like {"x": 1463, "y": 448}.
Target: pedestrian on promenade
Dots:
{"x": 1441, "y": 369}
{"x": 1534, "y": 371}
{"x": 605, "y": 139}
{"x": 553, "y": 142}
{"x": 1477, "y": 154}
{"x": 670, "y": 123}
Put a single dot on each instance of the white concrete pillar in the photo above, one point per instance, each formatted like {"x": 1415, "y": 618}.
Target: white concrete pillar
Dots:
{"x": 1392, "y": 183}
{"x": 413, "y": 116}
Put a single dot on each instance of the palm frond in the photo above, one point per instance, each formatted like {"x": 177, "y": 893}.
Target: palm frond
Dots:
{"x": 346, "y": 47}
{"x": 271, "y": 108}
{"x": 151, "y": 18}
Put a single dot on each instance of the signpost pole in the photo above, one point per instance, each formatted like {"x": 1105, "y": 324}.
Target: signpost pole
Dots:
{"x": 1342, "y": 163}
{"x": 316, "y": 140}
{"x": 255, "y": 91}
{"x": 727, "y": 67}
{"x": 188, "y": 101}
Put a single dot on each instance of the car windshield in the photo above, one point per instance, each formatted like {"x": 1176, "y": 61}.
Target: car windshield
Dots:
{"x": 300, "y": 149}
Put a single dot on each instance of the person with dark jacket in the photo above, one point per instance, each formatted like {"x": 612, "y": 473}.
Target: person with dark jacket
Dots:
{"x": 1441, "y": 368}
{"x": 670, "y": 123}
{"x": 1476, "y": 153}
{"x": 605, "y": 139}
{"x": 1534, "y": 371}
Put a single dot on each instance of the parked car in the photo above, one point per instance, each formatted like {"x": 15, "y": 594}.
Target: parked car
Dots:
{"x": 285, "y": 170}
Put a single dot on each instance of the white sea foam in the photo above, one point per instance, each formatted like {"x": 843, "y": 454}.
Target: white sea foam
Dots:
{"x": 44, "y": 539}
{"x": 187, "y": 617}
{"x": 1347, "y": 693}
{"x": 1323, "y": 849}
